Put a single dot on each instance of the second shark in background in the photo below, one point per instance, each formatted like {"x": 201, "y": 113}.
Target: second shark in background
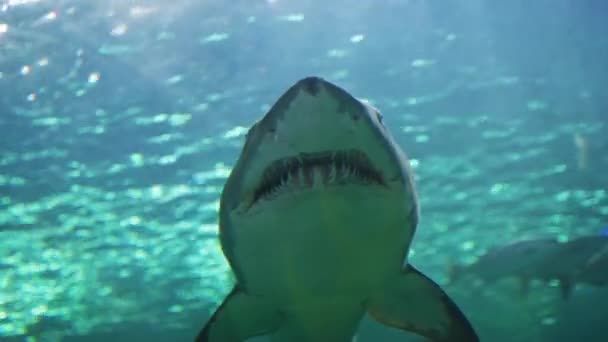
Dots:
{"x": 581, "y": 260}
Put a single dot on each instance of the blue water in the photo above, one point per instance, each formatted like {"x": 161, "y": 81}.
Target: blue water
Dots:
{"x": 120, "y": 121}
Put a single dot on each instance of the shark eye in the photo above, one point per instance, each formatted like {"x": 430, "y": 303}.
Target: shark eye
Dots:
{"x": 380, "y": 117}
{"x": 248, "y": 136}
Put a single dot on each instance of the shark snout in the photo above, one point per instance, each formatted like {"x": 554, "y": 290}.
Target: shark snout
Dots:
{"x": 315, "y": 115}
{"x": 310, "y": 85}
{"x": 316, "y": 135}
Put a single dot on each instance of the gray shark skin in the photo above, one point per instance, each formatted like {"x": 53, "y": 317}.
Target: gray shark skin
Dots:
{"x": 316, "y": 219}
{"x": 595, "y": 271}
{"x": 576, "y": 262}
{"x": 579, "y": 260}
{"x": 520, "y": 259}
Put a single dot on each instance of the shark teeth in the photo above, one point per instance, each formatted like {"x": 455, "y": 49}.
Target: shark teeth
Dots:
{"x": 310, "y": 170}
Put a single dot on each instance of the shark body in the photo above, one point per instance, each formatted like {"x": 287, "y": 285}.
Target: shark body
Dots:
{"x": 595, "y": 271}
{"x": 316, "y": 220}
{"x": 581, "y": 260}
{"x": 522, "y": 259}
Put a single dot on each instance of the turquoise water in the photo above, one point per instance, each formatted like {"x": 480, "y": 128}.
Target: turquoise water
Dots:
{"x": 120, "y": 121}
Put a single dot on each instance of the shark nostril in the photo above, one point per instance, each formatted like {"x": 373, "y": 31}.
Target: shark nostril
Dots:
{"x": 354, "y": 116}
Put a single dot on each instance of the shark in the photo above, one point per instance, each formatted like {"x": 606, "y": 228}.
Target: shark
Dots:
{"x": 580, "y": 260}
{"x": 316, "y": 219}
{"x": 523, "y": 260}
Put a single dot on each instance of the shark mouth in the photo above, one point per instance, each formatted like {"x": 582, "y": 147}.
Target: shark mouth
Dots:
{"x": 306, "y": 170}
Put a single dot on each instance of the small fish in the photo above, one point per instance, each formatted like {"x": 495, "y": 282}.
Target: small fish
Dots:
{"x": 582, "y": 149}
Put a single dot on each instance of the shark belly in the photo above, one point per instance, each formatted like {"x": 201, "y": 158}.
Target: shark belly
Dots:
{"x": 325, "y": 243}
{"x": 334, "y": 320}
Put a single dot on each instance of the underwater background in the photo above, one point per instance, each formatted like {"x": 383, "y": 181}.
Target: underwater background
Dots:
{"x": 120, "y": 121}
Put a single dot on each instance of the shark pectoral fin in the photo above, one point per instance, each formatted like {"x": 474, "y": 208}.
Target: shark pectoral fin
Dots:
{"x": 415, "y": 303}
{"x": 239, "y": 317}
